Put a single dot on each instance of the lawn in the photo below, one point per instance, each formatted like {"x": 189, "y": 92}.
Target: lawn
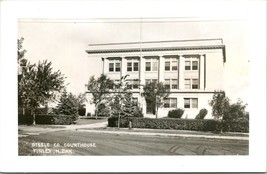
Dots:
{"x": 90, "y": 120}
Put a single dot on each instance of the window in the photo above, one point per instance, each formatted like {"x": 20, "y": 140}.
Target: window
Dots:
{"x": 191, "y": 83}
{"x": 174, "y": 83}
{"x": 129, "y": 66}
{"x": 136, "y": 66}
{"x": 187, "y": 84}
{"x": 151, "y": 81}
{"x": 148, "y": 66}
{"x": 171, "y": 83}
{"x": 170, "y": 103}
{"x": 190, "y": 103}
{"x": 167, "y": 66}
{"x": 167, "y": 84}
{"x": 151, "y": 64}
{"x": 135, "y": 84}
{"x": 187, "y": 103}
{"x": 171, "y": 64}
{"x": 154, "y": 66}
{"x": 118, "y": 67}
{"x": 190, "y": 63}
{"x": 194, "y": 102}
{"x": 194, "y": 65}
{"x": 114, "y": 65}
{"x": 174, "y": 65}
{"x": 194, "y": 83}
{"x": 187, "y": 65}
{"x": 132, "y": 65}
{"x": 111, "y": 67}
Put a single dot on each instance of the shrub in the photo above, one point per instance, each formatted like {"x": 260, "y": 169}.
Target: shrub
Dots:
{"x": 137, "y": 112}
{"x": 103, "y": 110}
{"x": 180, "y": 124}
{"x": 202, "y": 113}
{"x": 48, "y": 119}
{"x": 177, "y": 113}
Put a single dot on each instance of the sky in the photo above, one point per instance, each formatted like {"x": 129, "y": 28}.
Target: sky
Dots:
{"x": 63, "y": 42}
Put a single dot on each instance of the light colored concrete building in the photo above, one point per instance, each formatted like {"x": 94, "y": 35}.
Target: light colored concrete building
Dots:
{"x": 192, "y": 69}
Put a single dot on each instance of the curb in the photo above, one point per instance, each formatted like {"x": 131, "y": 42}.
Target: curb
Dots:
{"x": 166, "y": 134}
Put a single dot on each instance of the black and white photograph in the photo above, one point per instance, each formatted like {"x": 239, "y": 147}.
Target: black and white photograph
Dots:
{"x": 160, "y": 86}
{"x": 165, "y": 86}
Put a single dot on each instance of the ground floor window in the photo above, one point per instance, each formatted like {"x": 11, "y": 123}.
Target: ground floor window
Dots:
{"x": 190, "y": 103}
{"x": 170, "y": 103}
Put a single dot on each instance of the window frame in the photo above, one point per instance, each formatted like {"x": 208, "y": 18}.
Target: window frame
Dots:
{"x": 170, "y": 102}
{"x": 189, "y": 103}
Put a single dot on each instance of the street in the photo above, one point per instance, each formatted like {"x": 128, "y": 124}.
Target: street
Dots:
{"x": 70, "y": 142}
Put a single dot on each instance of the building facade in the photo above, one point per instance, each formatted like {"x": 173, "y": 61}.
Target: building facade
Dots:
{"x": 191, "y": 69}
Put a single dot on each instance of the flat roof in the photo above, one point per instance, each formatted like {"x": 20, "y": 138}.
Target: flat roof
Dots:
{"x": 150, "y": 46}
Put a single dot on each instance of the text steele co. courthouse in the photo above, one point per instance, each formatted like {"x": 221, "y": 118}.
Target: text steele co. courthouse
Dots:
{"x": 191, "y": 69}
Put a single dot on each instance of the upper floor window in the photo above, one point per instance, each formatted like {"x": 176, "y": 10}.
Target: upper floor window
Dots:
{"x": 114, "y": 65}
{"x": 170, "y": 103}
{"x": 133, "y": 84}
{"x": 151, "y": 81}
{"x": 152, "y": 64}
{"x": 191, "y": 63}
{"x": 118, "y": 67}
{"x": 171, "y": 83}
{"x": 171, "y": 64}
{"x": 191, "y": 83}
{"x": 132, "y": 65}
{"x": 190, "y": 103}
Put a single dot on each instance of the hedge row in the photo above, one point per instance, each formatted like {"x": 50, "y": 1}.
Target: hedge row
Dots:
{"x": 181, "y": 124}
{"x": 48, "y": 119}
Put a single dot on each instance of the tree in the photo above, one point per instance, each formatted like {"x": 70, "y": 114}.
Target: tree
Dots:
{"x": 154, "y": 94}
{"x": 236, "y": 111}
{"x": 220, "y": 104}
{"x": 100, "y": 89}
{"x": 68, "y": 104}
{"x": 39, "y": 85}
{"x": 223, "y": 109}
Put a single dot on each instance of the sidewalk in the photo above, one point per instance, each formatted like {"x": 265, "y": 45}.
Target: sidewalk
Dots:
{"x": 102, "y": 128}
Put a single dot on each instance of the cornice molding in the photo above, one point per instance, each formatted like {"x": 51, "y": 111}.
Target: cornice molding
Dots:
{"x": 132, "y": 50}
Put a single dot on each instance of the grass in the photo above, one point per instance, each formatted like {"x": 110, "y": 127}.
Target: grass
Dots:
{"x": 90, "y": 120}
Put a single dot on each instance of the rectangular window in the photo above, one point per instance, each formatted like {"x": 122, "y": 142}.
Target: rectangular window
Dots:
{"x": 194, "y": 65}
{"x": 187, "y": 103}
{"x": 174, "y": 83}
{"x": 135, "y": 101}
{"x": 187, "y": 65}
{"x": 118, "y": 67}
{"x": 174, "y": 65}
{"x": 136, "y": 67}
{"x": 155, "y": 81}
{"x": 167, "y": 66}
{"x": 170, "y": 103}
{"x": 166, "y": 103}
{"x": 129, "y": 66}
{"x": 135, "y": 84}
{"x": 187, "y": 84}
{"x": 111, "y": 67}
{"x": 148, "y": 66}
{"x": 194, "y": 102}
{"x": 154, "y": 66}
{"x": 194, "y": 83}
{"x": 167, "y": 83}
{"x": 173, "y": 102}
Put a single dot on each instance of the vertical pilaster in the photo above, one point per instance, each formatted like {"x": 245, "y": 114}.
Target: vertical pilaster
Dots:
{"x": 181, "y": 71}
{"x": 123, "y": 66}
{"x": 142, "y": 70}
{"x": 201, "y": 72}
{"x": 161, "y": 67}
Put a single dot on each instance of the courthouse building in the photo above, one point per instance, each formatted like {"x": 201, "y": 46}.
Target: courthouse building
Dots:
{"x": 191, "y": 69}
